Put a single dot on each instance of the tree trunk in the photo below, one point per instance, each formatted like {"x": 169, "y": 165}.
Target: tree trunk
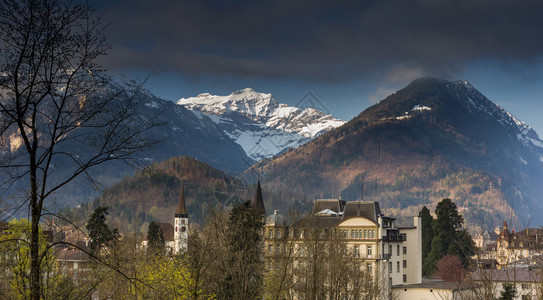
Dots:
{"x": 34, "y": 237}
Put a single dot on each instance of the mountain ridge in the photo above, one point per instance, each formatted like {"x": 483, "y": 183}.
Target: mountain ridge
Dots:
{"x": 430, "y": 140}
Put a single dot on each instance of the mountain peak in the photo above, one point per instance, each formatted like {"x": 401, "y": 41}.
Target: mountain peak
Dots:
{"x": 260, "y": 124}
{"x": 246, "y": 90}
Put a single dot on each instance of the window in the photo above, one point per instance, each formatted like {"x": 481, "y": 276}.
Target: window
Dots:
{"x": 404, "y": 278}
{"x": 369, "y": 251}
{"x": 277, "y": 249}
{"x": 356, "y": 251}
{"x": 390, "y": 249}
{"x": 368, "y": 268}
{"x": 398, "y": 250}
{"x": 183, "y": 222}
{"x": 373, "y": 234}
{"x": 398, "y": 266}
{"x": 278, "y": 233}
{"x": 390, "y": 267}
{"x": 270, "y": 233}
{"x": 365, "y": 234}
{"x": 405, "y": 264}
{"x": 404, "y": 250}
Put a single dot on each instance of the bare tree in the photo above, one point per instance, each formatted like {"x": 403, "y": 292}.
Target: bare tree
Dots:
{"x": 55, "y": 107}
{"x": 205, "y": 254}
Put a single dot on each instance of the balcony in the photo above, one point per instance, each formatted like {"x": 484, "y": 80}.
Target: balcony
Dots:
{"x": 394, "y": 237}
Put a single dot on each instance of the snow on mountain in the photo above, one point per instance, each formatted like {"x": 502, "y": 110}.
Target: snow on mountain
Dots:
{"x": 262, "y": 126}
{"x": 478, "y": 101}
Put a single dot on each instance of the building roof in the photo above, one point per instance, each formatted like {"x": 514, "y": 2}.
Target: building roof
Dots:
{"x": 318, "y": 222}
{"x": 181, "y": 211}
{"x": 335, "y": 205}
{"x": 71, "y": 254}
{"x": 437, "y": 285}
{"x": 276, "y": 219}
{"x": 528, "y": 238}
{"x": 167, "y": 231}
{"x": 514, "y": 275}
{"x": 366, "y": 209}
{"x": 490, "y": 234}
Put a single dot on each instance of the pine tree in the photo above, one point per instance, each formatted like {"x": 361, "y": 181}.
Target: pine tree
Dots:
{"x": 155, "y": 238}
{"x": 99, "y": 232}
{"x": 243, "y": 266}
{"x": 427, "y": 236}
{"x": 449, "y": 237}
{"x": 509, "y": 292}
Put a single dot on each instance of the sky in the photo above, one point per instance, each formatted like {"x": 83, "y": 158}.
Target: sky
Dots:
{"x": 348, "y": 54}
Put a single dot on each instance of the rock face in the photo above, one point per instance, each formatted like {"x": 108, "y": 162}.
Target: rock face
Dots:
{"x": 431, "y": 140}
{"x": 260, "y": 124}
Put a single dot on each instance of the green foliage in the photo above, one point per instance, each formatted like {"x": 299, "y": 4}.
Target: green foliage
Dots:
{"x": 15, "y": 263}
{"x": 427, "y": 236}
{"x": 243, "y": 266}
{"x": 509, "y": 292}
{"x": 99, "y": 232}
{"x": 449, "y": 237}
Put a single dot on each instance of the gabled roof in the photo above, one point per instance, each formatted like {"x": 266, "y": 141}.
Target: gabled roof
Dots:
{"x": 167, "y": 231}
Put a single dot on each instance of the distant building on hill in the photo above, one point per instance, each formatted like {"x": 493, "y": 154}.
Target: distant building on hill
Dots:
{"x": 485, "y": 238}
{"x": 525, "y": 245}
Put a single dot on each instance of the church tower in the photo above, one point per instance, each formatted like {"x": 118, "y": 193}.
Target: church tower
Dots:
{"x": 258, "y": 201}
{"x": 181, "y": 225}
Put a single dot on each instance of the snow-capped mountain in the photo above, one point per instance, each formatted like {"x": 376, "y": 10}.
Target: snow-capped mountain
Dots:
{"x": 262, "y": 126}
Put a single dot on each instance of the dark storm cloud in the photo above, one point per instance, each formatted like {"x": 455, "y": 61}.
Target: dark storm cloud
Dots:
{"x": 321, "y": 39}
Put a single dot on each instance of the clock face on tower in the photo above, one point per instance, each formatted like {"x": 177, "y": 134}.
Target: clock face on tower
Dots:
{"x": 183, "y": 229}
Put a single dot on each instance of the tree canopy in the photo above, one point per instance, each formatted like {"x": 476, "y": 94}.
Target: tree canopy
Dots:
{"x": 155, "y": 238}
{"x": 450, "y": 237}
{"x": 99, "y": 233}
{"x": 243, "y": 266}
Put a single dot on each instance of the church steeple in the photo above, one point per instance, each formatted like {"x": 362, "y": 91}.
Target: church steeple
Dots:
{"x": 258, "y": 201}
{"x": 181, "y": 224}
{"x": 181, "y": 211}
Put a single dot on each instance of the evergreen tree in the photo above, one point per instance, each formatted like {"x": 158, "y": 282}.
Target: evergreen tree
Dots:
{"x": 509, "y": 292}
{"x": 427, "y": 236}
{"x": 155, "y": 238}
{"x": 449, "y": 236}
{"x": 99, "y": 233}
{"x": 243, "y": 267}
